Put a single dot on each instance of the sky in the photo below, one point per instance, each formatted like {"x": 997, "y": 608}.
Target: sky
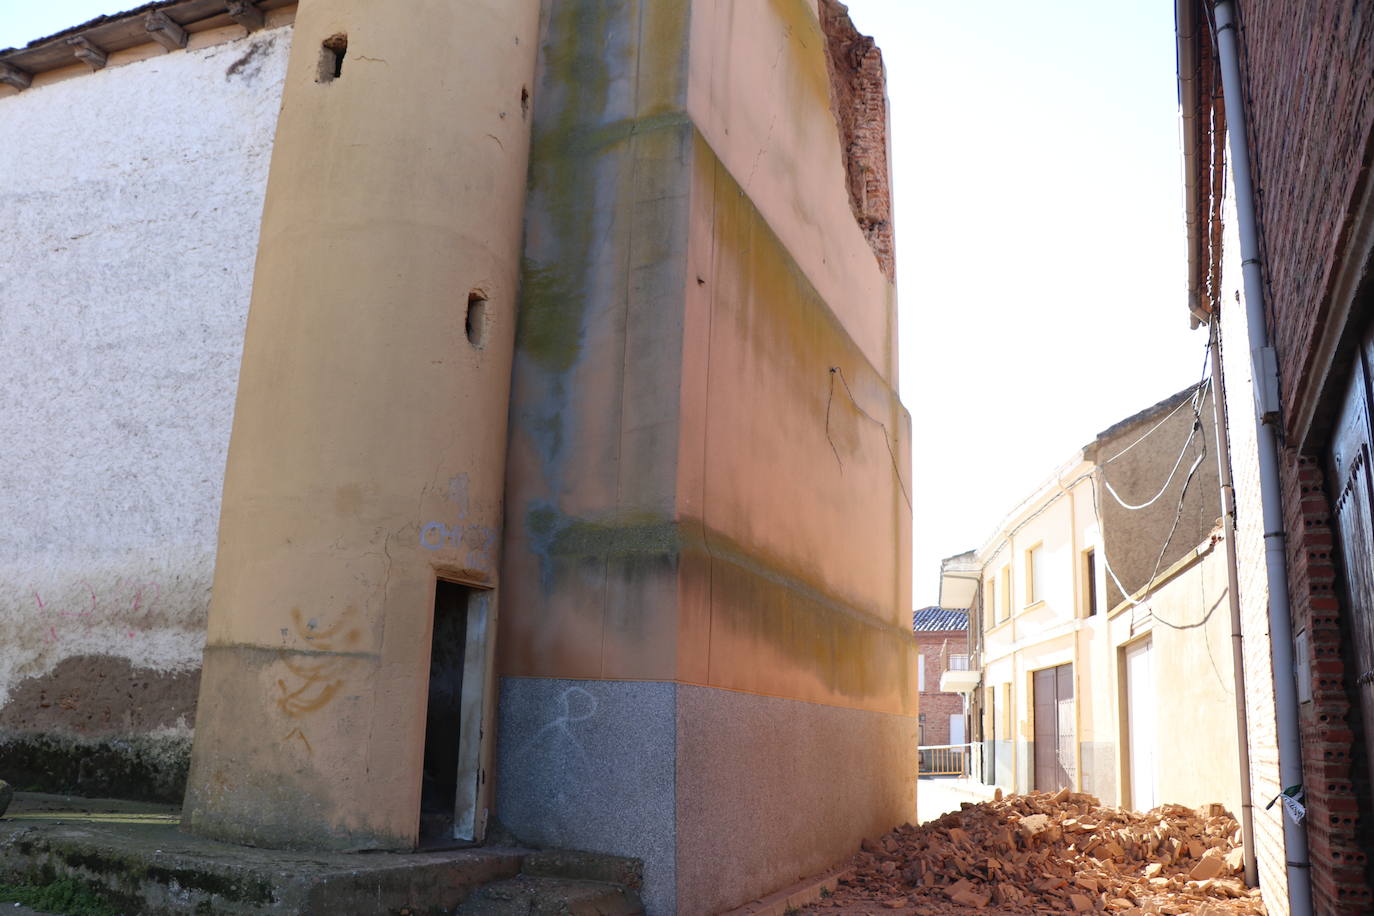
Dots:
{"x": 1040, "y": 237}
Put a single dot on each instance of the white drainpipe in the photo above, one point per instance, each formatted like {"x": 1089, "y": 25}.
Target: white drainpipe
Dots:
{"x": 1265, "y": 376}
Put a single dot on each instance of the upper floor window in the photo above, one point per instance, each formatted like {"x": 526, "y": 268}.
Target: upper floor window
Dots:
{"x": 1089, "y": 582}
{"x": 1006, "y": 593}
{"x": 958, "y": 663}
{"x": 1035, "y": 574}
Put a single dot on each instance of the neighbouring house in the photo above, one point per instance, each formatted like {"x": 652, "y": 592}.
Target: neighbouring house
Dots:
{"x": 941, "y": 646}
{"x": 1277, "y": 105}
{"x": 423, "y": 414}
{"x": 1099, "y": 624}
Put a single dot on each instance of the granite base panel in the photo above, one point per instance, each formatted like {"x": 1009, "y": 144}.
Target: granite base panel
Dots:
{"x": 724, "y": 796}
{"x": 584, "y": 764}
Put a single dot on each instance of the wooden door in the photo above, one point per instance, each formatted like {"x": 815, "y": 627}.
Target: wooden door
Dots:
{"x": 1052, "y": 690}
{"x": 1352, "y": 503}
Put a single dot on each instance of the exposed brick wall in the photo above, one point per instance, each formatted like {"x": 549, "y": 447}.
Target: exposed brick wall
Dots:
{"x": 858, "y": 89}
{"x": 936, "y": 646}
{"x": 1310, "y": 100}
{"x": 1339, "y": 885}
{"x": 1311, "y": 115}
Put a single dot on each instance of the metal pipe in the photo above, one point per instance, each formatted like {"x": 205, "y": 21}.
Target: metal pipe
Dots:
{"x": 1228, "y": 523}
{"x": 1266, "y": 417}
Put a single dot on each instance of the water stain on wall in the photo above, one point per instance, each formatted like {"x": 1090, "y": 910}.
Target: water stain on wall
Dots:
{"x": 102, "y": 695}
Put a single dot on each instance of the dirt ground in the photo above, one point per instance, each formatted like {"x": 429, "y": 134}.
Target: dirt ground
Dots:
{"x": 1043, "y": 854}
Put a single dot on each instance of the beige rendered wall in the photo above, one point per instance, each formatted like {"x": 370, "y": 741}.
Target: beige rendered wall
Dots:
{"x": 1041, "y": 633}
{"x": 367, "y": 452}
{"x": 708, "y": 532}
{"x": 1066, "y": 517}
{"x": 1189, "y": 623}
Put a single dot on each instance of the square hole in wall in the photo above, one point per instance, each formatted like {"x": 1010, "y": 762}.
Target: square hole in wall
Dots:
{"x": 332, "y": 51}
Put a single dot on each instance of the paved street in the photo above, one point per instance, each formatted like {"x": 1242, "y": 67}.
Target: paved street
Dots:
{"x": 938, "y": 795}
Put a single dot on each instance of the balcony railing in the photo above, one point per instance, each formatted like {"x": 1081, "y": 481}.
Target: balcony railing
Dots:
{"x": 944, "y": 759}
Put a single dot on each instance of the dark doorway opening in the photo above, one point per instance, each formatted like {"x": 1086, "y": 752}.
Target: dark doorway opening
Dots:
{"x": 444, "y": 713}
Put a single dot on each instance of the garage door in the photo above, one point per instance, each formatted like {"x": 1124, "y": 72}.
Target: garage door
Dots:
{"x": 1054, "y": 735}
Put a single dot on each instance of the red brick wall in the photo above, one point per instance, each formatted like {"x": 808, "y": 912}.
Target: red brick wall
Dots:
{"x": 936, "y": 646}
{"x": 858, "y": 88}
{"x": 1311, "y": 120}
{"x": 1339, "y": 884}
{"x": 1310, "y": 97}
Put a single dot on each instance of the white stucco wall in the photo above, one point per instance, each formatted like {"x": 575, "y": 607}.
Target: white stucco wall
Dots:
{"x": 130, "y": 201}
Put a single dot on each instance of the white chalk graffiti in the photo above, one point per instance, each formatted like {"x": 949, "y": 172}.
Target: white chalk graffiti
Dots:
{"x": 437, "y": 536}
{"x": 576, "y": 705}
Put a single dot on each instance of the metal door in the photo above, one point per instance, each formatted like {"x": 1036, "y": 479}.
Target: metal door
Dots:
{"x": 1052, "y": 690}
{"x": 1352, "y": 492}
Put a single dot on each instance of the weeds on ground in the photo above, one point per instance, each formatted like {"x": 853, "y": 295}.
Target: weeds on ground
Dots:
{"x": 64, "y": 896}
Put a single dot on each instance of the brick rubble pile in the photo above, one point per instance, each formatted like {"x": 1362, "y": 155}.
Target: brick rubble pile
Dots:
{"x": 1059, "y": 853}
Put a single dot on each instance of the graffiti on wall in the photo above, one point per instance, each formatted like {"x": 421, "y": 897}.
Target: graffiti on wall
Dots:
{"x": 318, "y": 674}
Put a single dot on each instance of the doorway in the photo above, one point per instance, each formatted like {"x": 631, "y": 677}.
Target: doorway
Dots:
{"x": 1350, "y": 483}
{"x": 1140, "y": 724}
{"x": 452, "y": 796}
{"x": 1052, "y": 690}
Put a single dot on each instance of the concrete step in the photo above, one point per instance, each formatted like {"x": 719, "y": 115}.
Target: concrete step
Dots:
{"x": 136, "y": 858}
{"x": 528, "y": 895}
{"x": 584, "y": 866}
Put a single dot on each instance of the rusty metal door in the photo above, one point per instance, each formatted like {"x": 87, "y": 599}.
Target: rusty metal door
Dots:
{"x": 1052, "y": 690}
{"x": 1352, "y": 503}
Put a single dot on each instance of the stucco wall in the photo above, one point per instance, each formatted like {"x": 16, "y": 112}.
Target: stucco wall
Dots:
{"x": 703, "y": 396}
{"x": 1137, "y": 470}
{"x": 132, "y": 196}
{"x": 1195, "y": 687}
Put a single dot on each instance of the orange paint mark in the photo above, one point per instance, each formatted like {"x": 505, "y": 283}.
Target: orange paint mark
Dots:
{"x": 318, "y": 679}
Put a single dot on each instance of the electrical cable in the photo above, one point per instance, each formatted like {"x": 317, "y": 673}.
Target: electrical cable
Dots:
{"x": 1146, "y": 434}
{"x": 896, "y": 469}
{"x": 1196, "y": 401}
{"x": 1192, "y": 432}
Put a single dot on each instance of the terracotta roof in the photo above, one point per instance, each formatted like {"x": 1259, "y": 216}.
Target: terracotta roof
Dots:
{"x": 928, "y": 619}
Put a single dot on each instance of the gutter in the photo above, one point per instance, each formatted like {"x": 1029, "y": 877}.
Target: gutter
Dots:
{"x": 1185, "y": 17}
{"x": 1265, "y": 376}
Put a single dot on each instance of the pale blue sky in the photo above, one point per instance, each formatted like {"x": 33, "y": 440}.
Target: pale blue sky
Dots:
{"x": 1040, "y": 246}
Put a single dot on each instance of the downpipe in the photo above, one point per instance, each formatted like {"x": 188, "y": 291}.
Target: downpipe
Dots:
{"x": 1228, "y": 521}
{"x": 1266, "y": 419}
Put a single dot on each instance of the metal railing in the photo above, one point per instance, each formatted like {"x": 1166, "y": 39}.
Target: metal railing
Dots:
{"x": 944, "y": 759}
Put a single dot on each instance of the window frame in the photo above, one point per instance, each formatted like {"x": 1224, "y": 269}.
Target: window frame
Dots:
{"x": 1034, "y": 585}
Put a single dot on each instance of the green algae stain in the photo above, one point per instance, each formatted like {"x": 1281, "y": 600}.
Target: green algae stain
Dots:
{"x": 562, "y": 536}
{"x": 577, "y": 79}
{"x": 578, "y": 156}
{"x": 550, "y": 321}
{"x": 620, "y": 539}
